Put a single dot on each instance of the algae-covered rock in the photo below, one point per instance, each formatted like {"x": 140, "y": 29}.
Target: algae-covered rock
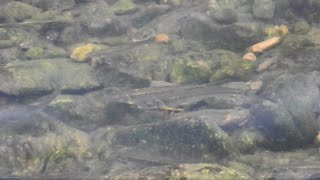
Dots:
{"x": 185, "y": 171}
{"x": 34, "y": 53}
{"x": 20, "y": 36}
{"x": 227, "y": 64}
{"x": 45, "y": 52}
{"x": 274, "y": 31}
{"x": 207, "y": 171}
{"x": 301, "y": 27}
{"x": 122, "y": 7}
{"x": 294, "y": 44}
{"x": 98, "y": 109}
{"x": 34, "y": 139}
{"x": 80, "y": 54}
{"x": 183, "y": 72}
{"x": 247, "y": 141}
{"x": 55, "y": 52}
{"x": 186, "y": 139}
{"x": 216, "y": 65}
{"x": 31, "y": 46}
{"x": 18, "y": 11}
{"x": 39, "y": 76}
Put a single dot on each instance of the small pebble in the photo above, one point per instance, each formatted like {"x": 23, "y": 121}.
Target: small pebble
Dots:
{"x": 249, "y": 57}
{"x": 255, "y": 85}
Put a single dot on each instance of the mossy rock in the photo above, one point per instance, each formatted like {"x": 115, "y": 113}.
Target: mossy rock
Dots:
{"x": 183, "y": 73}
{"x": 80, "y": 53}
{"x": 46, "y": 75}
{"x": 55, "y": 52}
{"x": 18, "y": 11}
{"x": 46, "y": 52}
{"x": 227, "y": 64}
{"x": 122, "y": 7}
{"x": 294, "y": 44}
{"x": 34, "y": 53}
{"x": 207, "y": 171}
{"x": 301, "y": 27}
{"x": 247, "y": 140}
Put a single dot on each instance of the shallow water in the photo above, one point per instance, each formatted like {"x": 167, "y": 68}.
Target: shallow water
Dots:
{"x": 91, "y": 65}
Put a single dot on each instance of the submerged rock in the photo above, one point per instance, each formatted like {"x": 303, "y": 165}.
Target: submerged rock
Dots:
{"x": 187, "y": 139}
{"x": 18, "y": 11}
{"x": 292, "y": 45}
{"x": 184, "y": 171}
{"x": 80, "y": 53}
{"x": 227, "y": 64}
{"x": 122, "y": 7}
{"x": 98, "y": 20}
{"x": 34, "y": 143}
{"x": 291, "y": 120}
{"x": 263, "y": 9}
{"x": 224, "y": 16}
{"x": 208, "y": 171}
{"x": 301, "y": 27}
{"x": 234, "y": 37}
{"x": 43, "y": 76}
{"x": 184, "y": 73}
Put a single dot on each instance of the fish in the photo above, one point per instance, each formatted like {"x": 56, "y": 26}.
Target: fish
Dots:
{"x": 297, "y": 171}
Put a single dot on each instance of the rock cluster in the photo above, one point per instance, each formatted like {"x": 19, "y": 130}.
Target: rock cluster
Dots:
{"x": 206, "y": 89}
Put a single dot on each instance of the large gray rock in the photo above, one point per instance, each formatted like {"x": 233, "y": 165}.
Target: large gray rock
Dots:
{"x": 97, "y": 18}
{"x": 224, "y": 16}
{"x": 290, "y": 119}
{"x": 32, "y": 142}
{"x": 188, "y": 139}
{"x": 18, "y": 11}
{"x": 263, "y": 9}
{"x": 43, "y": 76}
{"x": 236, "y": 36}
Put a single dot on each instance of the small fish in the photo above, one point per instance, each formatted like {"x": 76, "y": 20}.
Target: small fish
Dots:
{"x": 26, "y": 23}
{"x": 298, "y": 171}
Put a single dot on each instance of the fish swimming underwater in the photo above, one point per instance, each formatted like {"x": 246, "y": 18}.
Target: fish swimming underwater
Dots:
{"x": 306, "y": 170}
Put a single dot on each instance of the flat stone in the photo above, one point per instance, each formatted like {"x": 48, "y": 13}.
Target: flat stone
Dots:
{"x": 47, "y": 75}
